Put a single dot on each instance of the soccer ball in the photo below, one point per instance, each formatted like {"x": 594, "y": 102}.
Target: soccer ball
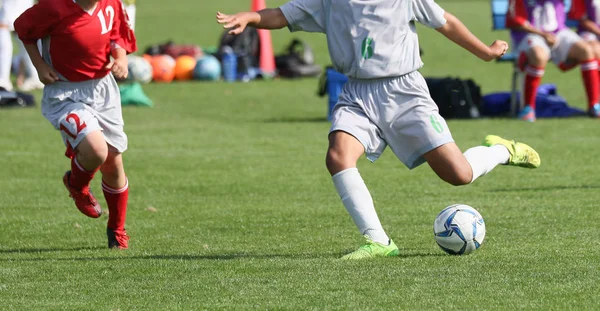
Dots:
{"x": 139, "y": 68}
{"x": 459, "y": 229}
{"x": 207, "y": 68}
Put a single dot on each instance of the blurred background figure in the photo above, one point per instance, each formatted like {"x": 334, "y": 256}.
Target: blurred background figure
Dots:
{"x": 130, "y": 8}
{"x": 9, "y": 11}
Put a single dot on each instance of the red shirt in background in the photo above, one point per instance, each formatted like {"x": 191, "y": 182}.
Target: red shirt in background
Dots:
{"x": 77, "y": 43}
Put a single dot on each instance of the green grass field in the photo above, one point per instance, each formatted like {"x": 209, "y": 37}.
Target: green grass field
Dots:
{"x": 246, "y": 216}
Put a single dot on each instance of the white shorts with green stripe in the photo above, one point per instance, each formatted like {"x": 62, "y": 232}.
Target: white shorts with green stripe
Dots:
{"x": 396, "y": 112}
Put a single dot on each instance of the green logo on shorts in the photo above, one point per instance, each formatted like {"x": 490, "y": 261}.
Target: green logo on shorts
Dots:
{"x": 367, "y": 48}
{"x": 437, "y": 126}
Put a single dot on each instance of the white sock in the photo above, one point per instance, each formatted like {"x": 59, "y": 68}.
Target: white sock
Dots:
{"x": 484, "y": 159}
{"x": 6, "y": 50}
{"x": 359, "y": 204}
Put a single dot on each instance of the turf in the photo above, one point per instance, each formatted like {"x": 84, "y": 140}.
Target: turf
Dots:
{"x": 232, "y": 208}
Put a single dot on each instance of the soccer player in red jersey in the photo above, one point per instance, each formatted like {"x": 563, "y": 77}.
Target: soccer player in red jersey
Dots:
{"x": 540, "y": 34}
{"x": 81, "y": 98}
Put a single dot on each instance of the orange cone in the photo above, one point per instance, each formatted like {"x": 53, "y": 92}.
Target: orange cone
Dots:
{"x": 267, "y": 58}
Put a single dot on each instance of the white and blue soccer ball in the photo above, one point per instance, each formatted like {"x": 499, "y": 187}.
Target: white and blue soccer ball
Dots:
{"x": 459, "y": 229}
{"x": 140, "y": 70}
{"x": 208, "y": 68}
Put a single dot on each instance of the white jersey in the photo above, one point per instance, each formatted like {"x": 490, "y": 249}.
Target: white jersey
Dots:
{"x": 367, "y": 39}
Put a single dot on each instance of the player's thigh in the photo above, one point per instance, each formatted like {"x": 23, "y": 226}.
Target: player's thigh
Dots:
{"x": 80, "y": 131}
{"x": 536, "y": 49}
{"x": 592, "y": 40}
{"x": 448, "y": 162}
{"x": 410, "y": 121}
{"x": 570, "y": 48}
{"x": 350, "y": 118}
{"x": 352, "y": 134}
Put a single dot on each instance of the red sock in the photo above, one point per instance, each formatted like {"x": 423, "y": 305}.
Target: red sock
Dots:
{"x": 80, "y": 177}
{"x": 533, "y": 77}
{"x": 591, "y": 80}
{"x": 116, "y": 199}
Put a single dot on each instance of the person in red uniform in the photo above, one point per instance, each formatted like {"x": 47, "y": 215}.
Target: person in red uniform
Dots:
{"x": 84, "y": 47}
{"x": 539, "y": 32}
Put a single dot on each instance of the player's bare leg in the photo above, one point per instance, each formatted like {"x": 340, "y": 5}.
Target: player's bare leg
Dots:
{"x": 89, "y": 155}
{"x": 6, "y": 50}
{"x": 344, "y": 150}
{"x": 116, "y": 191}
{"x": 582, "y": 53}
{"x": 458, "y": 168}
{"x": 534, "y": 67}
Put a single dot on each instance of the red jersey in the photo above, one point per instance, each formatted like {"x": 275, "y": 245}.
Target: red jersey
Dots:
{"x": 76, "y": 43}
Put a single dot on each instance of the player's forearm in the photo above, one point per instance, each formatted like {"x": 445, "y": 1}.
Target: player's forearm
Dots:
{"x": 268, "y": 19}
{"x": 34, "y": 54}
{"x": 118, "y": 53}
{"x": 457, "y": 32}
{"x": 528, "y": 28}
{"x": 590, "y": 26}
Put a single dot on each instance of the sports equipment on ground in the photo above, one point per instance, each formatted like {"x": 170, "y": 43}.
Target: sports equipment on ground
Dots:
{"x": 459, "y": 229}
{"x": 207, "y": 68}
{"x": 84, "y": 199}
{"x": 140, "y": 70}
{"x": 373, "y": 249}
{"x": 184, "y": 67}
{"x": 163, "y": 67}
{"x": 520, "y": 154}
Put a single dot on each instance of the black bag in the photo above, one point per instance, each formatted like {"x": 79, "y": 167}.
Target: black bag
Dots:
{"x": 297, "y": 61}
{"x": 246, "y": 47}
{"x": 455, "y": 98}
{"x": 15, "y": 99}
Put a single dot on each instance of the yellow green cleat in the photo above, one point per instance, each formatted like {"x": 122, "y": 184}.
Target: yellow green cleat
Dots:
{"x": 520, "y": 154}
{"x": 373, "y": 249}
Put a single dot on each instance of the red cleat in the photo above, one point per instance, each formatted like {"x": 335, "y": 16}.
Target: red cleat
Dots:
{"x": 84, "y": 199}
{"x": 117, "y": 239}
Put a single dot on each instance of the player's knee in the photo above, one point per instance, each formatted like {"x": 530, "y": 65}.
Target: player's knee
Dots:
{"x": 458, "y": 177}
{"x": 588, "y": 52}
{"x": 93, "y": 152}
{"x": 537, "y": 57}
{"x": 336, "y": 161}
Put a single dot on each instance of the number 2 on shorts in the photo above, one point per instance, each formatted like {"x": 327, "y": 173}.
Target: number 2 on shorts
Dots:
{"x": 80, "y": 125}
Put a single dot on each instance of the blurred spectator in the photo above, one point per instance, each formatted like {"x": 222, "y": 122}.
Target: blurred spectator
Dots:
{"x": 9, "y": 11}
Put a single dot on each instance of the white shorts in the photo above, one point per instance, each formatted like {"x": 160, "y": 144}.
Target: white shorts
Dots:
{"x": 588, "y": 36}
{"x": 398, "y": 112}
{"x": 559, "y": 53}
{"x": 79, "y": 108}
{"x": 11, "y": 9}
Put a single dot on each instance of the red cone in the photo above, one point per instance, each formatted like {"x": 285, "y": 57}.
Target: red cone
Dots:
{"x": 267, "y": 57}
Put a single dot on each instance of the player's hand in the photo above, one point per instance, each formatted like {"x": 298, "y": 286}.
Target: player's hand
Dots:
{"x": 550, "y": 39}
{"x": 46, "y": 73}
{"x": 118, "y": 67}
{"x": 498, "y": 49}
{"x": 235, "y": 23}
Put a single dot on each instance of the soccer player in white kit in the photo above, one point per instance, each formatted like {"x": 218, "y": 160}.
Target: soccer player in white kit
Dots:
{"x": 386, "y": 101}
{"x": 9, "y": 11}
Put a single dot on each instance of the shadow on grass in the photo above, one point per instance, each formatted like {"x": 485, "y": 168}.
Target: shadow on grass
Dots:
{"x": 548, "y": 188}
{"x": 216, "y": 257}
{"x": 297, "y": 120}
{"x": 48, "y": 250}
